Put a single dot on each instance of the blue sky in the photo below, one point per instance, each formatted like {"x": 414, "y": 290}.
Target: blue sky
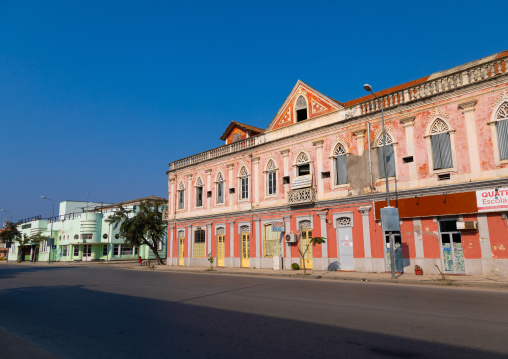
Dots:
{"x": 100, "y": 96}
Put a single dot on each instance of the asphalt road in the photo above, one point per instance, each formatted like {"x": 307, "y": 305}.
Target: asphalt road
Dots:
{"x": 105, "y": 312}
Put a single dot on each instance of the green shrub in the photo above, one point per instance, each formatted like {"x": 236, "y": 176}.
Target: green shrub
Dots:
{"x": 295, "y": 266}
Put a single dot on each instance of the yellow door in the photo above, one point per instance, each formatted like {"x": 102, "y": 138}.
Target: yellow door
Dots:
{"x": 180, "y": 251}
{"x": 245, "y": 249}
{"x": 306, "y": 236}
{"x": 220, "y": 250}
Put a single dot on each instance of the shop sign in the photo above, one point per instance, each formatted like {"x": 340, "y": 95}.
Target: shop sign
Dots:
{"x": 278, "y": 226}
{"x": 492, "y": 200}
{"x": 301, "y": 182}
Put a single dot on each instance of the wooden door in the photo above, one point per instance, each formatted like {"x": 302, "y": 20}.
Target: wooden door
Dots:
{"x": 220, "y": 250}
{"x": 306, "y": 235}
{"x": 245, "y": 250}
{"x": 180, "y": 251}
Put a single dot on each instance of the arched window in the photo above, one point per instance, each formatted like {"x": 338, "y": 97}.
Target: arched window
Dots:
{"x": 441, "y": 147}
{"x": 303, "y": 164}
{"x": 220, "y": 188}
{"x": 244, "y": 183}
{"x": 181, "y": 196}
{"x": 502, "y": 131}
{"x": 271, "y": 178}
{"x": 386, "y": 150}
{"x": 301, "y": 109}
{"x": 199, "y": 192}
{"x": 340, "y": 164}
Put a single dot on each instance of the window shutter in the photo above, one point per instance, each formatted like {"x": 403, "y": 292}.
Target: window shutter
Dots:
{"x": 220, "y": 192}
{"x": 446, "y": 150}
{"x": 436, "y": 152}
{"x": 381, "y": 162}
{"x": 502, "y": 137}
{"x": 341, "y": 169}
{"x": 390, "y": 159}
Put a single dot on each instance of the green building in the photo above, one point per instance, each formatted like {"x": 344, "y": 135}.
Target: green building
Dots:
{"x": 81, "y": 233}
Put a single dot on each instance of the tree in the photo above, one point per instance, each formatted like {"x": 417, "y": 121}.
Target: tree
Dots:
{"x": 10, "y": 234}
{"x": 313, "y": 241}
{"x": 144, "y": 227}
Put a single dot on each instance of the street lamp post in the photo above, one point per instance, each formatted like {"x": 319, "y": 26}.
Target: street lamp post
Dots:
{"x": 4, "y": 210}
{"x": 52, "y": 214}
{"x": 368, "y": 88}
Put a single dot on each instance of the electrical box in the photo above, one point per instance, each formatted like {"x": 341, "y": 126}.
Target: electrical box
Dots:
{"x": 390, "y": 221}
{"x": 291, "y": 238}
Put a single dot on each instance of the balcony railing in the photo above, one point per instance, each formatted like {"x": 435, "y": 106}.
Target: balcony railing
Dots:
{"x": 216, "y": 152}
{"x": 302, "y": 196}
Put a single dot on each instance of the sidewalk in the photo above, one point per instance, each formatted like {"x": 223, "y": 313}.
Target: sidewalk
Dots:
{"x": 493, "y": 282}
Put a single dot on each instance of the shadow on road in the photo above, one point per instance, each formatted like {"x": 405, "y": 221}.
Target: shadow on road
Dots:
{"x": 77, "y": 322}
{"x": 10, "y": 271}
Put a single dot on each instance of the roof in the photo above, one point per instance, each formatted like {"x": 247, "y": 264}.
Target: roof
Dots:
{"x": 151, "y": 198}
{"x": 243, "y": 126}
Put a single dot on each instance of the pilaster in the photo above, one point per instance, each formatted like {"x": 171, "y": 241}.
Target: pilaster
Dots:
{"x": 208, "y": 188}
{"x": 286, "y": 250}
{"x": 408, "y": 124}
{"x": 255, "y": 180}
{"x": 319, "y": 159}
{"x": 257, "y": 260}
{"x": 360, "y": 140}
{"x": 472, "y": 139}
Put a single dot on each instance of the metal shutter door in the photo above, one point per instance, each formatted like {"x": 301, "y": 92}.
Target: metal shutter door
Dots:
{"x": 341, "y": 168}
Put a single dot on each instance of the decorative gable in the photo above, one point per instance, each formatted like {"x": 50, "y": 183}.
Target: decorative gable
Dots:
{"x": 303, "y": 103}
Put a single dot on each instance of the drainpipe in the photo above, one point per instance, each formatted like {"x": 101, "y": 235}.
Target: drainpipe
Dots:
{"x": 370, "y": 159}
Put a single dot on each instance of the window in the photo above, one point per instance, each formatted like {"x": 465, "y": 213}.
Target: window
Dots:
{"x": 181, "y": 196}
{"x": 105, "y": 250}
{"x": 502, "y": 131}
{"x": 340, "y": 165}
{"x": 64, "y": 251}
{"x": 76, "y": 236}
{"x": 244, "y": 183}
{"x": 126, "y": 250}
{"x": 236, "y": 137}
{"x": 115, "y": 249}
{"x": 199, "y": 192}
{"x": 301, "y": 109}
{"x": 44, "y": 246}
{"x": 160, "y": 243}
{"x": 303, "y": 164}
{"x": 76, "y": 251}
{"x": 220, "y": 188}
{"x": 441, "y": 147}
{"x": 387, "y": 151}
{"x": 199, "y": 244}
{"x": 271, "y": 178}
{"x": 117, "y": 236}
{"x": 105, "y": 236}
{"x": 272, "y": 242}
{"x": 86, "y": 236}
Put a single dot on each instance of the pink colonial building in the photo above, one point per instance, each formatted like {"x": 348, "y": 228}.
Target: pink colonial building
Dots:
{"x": 317, "y": 170}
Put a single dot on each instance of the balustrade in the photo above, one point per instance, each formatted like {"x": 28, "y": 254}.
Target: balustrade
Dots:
{"x": 302, "y": 196}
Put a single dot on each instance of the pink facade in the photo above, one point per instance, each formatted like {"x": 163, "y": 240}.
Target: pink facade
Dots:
{"x": 235, "y": 194}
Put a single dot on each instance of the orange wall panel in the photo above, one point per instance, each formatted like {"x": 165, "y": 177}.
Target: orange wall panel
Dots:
{"x": 430, "y": 237}
{"x": 498, "y": 232}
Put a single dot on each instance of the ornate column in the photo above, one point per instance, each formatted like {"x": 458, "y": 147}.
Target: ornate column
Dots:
{"x": 171, "y": 229}
{"x": 208, "y": 238}
{"x": 232, "y": 198}
{"x": 257, "y": 224}
{"x": 287, "y": 251}
{"x": 189, "y": 244}
{"x": 285, "y": 158}
{"x": 364, "y": 210}
{"x": 189, "y": 190}
{"x": 360, "y": 140}
{"x": 255, "y": 180}
{"x": 208, "y": 188}
{"x": 319, "y": 160}
{"x": 324, "y": 233}
{"x": 472, "y": 139}
{"x": 171, "y": 198}
{"x": 408, "y": 124}
{"x": 232, "y": 242}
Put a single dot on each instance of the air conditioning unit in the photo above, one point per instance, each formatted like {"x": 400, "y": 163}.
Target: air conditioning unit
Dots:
{"x": 291, "y": 238}
{"x": 467, "y": 225}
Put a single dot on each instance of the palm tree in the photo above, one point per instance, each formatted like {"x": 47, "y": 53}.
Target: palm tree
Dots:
{"x": 145, "y": 227}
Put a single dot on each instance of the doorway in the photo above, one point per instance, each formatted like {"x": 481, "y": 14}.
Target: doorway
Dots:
{"x": 399, "y": 259}
{"x": 220, "y": 250}
{"x": 87, "y": 253}
{"x": 245, "y": 249}
{"x": 345, "y": 239}
{"x": 306, "y": 235}
{"x": 181, "y": 242}
{"x": 451, "y": 245}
